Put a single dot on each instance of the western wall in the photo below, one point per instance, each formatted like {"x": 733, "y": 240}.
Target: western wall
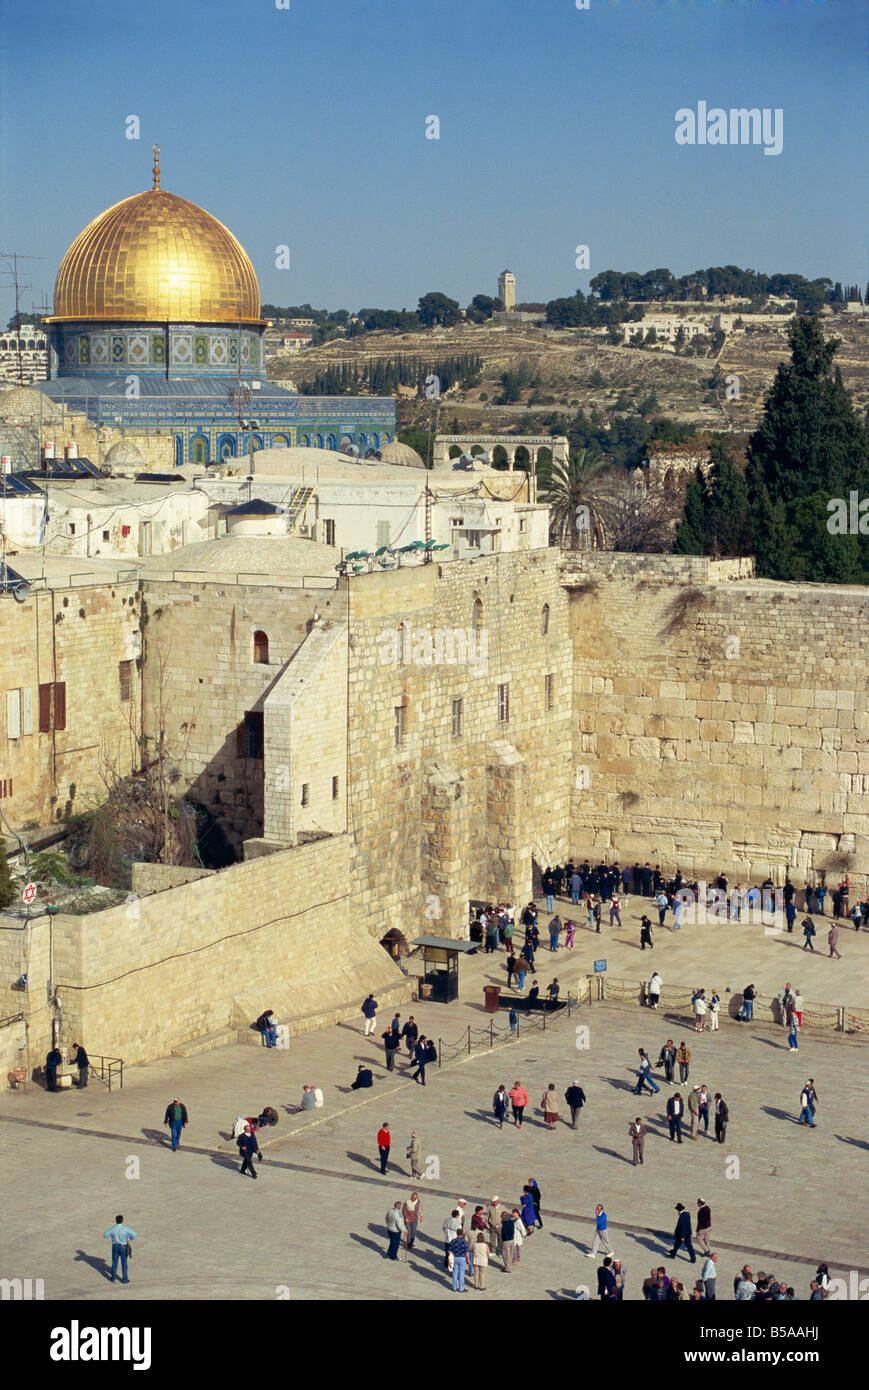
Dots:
{"x": 699, "y": 718}
{"x": 719, "y": 720}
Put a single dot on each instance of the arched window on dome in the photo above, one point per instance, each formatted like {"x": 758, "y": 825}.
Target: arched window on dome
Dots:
{"x": 226, "y": 446}
{"x": 319, "y": 441}
{"x": 544, "y": 620}
{"x": 261, "y": 648}
{"x": 477, "y": 616}
{"x": 179, "y": 450}
{"x": 331, "y": 441}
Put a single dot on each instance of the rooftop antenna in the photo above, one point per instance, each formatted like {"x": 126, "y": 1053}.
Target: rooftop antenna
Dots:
{"x": 14, "y": 258}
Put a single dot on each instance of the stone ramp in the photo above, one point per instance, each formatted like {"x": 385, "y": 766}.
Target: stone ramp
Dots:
{"x": 326, "y": 997}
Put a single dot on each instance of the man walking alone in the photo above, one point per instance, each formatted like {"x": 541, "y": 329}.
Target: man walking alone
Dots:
{"x": 176, "y": 1119}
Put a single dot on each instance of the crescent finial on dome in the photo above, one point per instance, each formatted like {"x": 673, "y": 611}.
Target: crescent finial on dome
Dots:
{"x": 156, "y": 149}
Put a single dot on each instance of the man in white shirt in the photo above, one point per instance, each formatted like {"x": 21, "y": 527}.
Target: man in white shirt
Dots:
{"x": 654, "y": 990}
{"x": 708, "y": 1275}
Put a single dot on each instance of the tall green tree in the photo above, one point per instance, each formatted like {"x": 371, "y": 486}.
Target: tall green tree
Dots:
{"x": 436, "y": 308}
{"x": 727, "y": 527}
{"x": 810, "y": 444}
{"x": 689, "y": 532}
{"x": 576, "y": 495}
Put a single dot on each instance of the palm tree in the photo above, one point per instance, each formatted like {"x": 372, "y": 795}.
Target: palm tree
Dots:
{"x": 576, "y": 498}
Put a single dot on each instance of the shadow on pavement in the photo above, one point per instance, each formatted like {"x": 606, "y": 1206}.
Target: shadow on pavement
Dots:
{"x": 158, "y": 1136}
{"x": 779, "y": 1114}
{"x": 96, "y": 1262}
{"x": 382, "y": 1250}
{"x": 568, "y": 1240}
{"x": 857, "y": 1143}
{"x": 613, "y": 1153}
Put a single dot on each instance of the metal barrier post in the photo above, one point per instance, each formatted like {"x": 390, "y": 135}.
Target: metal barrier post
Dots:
{"x": 491, "y": 1033}
{"x": 440, "y": 1051}
{"x": 469, "y": 1039}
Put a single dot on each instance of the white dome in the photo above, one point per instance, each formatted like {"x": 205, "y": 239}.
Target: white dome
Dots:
{"x": 401, "y": 454}
{"x": 125, "y": 451}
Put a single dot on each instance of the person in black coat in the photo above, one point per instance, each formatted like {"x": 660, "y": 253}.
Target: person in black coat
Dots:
{"x": 247, "y": 1147}
{"x": 675, "y": 1111}
{"x": 420, "y": 1056}
{"x": 606, "y": 1280}
{"x": 52, "y": 1061}
{"x": 364, "y": 1077}
{"x": 80, "y": 1060}
{"x": 682, "y": 1234}
{"x": 391, "y": 1044}
{"x": 575, "y": 1097}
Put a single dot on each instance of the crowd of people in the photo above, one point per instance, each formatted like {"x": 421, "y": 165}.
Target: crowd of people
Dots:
{"x": 499, "y": 1232}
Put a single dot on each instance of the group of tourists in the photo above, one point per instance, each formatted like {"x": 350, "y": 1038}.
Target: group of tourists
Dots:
{"x": 470, "y": 1241}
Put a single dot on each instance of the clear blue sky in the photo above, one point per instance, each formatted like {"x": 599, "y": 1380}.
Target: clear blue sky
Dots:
{"x": 307, "y": 127}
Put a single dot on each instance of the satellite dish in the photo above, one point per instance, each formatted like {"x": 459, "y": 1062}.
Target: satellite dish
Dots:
{"x": 21, "y": 593}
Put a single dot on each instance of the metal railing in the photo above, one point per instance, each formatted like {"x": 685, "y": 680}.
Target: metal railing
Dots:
{"x": 108, "y": 1070}
{"x": 492, "y": 1035}
{"x": 841, "y": 1018}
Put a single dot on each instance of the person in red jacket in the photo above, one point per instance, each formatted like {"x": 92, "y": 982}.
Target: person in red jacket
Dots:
{"x": 518, "y": 1100}
{"x": 384, "y": 1142}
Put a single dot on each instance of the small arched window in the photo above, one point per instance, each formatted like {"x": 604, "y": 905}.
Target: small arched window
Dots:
{"x": 544, "y": 619}
{"x": 260, "y": 648}
{"x": 477, "y": 615}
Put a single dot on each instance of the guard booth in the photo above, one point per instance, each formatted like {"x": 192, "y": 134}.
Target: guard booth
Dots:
{"x": 440, "y": 967}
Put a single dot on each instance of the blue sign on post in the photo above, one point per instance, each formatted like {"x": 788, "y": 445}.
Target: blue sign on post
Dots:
{"x": 599, "y": 967}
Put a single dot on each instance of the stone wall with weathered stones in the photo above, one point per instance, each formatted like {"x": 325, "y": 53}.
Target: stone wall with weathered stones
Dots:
{"x": 142, "y": 978}
{"x": 718, "y": 722}
{"x": 77, "y": 637}
{"x": 200, "y": 671}
{"x": 443, "y": 817}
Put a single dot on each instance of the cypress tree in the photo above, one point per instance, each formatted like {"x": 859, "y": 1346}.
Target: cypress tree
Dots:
{"x": 689, "y": 532}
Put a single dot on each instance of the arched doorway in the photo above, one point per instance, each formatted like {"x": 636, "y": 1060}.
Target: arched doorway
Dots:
{"x": 199, "y": 449}
{"x": 226, "y": 446}
{"x": 456, "y": 451}
{"x": 499, "y": 456}
{"x": 395, "y": 943}
{"x": 522, "y": 458}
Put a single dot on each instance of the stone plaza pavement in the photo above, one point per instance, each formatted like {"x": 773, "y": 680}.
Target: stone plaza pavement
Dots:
{"x": 782, "y": 1196}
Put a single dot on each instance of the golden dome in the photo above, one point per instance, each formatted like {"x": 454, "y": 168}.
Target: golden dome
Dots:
{"x": 156, "y": 257}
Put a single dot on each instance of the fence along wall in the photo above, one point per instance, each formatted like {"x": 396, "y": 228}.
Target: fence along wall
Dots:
{"x": 717, "y": 725}
{"x": 142, "y": 978}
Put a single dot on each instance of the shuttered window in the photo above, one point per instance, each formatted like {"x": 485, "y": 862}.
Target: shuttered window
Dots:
{"x": 13, "y": 713}
{"x": 44, "y": 709}
{"x": 27, "y": 710}
{"x": 52, "y": 695}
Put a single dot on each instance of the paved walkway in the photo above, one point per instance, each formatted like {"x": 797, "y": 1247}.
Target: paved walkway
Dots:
{"x": 313, "y": 1225}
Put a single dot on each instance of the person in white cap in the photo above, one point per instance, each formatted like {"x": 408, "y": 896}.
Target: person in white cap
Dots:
{"x": 493, "y": 1220}
{"x": 575, "y": 1097}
